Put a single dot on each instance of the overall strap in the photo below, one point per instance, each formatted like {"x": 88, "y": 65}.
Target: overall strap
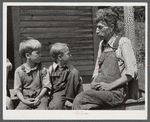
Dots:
{"x": 116, "y": 43}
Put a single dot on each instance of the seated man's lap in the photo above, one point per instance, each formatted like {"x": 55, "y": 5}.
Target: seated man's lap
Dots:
{"x": 90, "y": 98}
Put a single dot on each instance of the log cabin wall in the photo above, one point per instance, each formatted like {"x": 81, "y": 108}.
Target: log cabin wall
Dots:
{"x": 49, "y": 24}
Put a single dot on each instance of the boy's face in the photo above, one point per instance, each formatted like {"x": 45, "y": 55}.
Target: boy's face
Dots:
{"x": 66, "y": 56}
{"x": 35, "y": 56}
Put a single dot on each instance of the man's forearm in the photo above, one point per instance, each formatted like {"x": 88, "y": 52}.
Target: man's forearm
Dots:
{"x": 121, "y": 81}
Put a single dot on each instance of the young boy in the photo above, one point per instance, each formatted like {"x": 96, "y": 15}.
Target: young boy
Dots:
{"x": 31, "y": 82}
{"x": 65, "y": 79}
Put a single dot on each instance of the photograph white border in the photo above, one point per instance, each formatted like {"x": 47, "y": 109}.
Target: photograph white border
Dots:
{"x": 71, "y": 114}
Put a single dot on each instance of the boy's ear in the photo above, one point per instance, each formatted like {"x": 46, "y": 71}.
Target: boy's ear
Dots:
{"x": 59, "y": 57}
{"x": 27, "y": 55}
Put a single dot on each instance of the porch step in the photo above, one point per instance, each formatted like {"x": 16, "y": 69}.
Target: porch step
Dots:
{"x": 130, "y": 104}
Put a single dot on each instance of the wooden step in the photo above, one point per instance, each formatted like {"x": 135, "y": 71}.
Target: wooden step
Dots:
{"x": 130, "y": 104}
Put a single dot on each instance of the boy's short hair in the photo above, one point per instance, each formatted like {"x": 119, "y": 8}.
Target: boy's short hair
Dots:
{"x": 57, "y": 48}
{"x": 29, "y": 45}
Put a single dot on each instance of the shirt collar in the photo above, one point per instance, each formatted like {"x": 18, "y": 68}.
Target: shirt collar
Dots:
{"x": 112, "y": 39}
{"x": 55, "y": 66}
{"x": 28, "y": 69}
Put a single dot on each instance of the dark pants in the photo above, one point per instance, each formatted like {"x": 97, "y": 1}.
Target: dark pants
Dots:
{"x": 57, "y": 101}
{"x": 92, "y": 99}
{"x": 43, "y": 105}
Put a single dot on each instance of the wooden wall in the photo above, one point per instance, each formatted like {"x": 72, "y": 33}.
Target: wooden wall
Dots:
{"x": 50, "y": 24}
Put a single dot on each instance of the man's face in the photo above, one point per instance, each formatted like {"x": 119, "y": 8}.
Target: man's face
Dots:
{"x": 102, "y": 30}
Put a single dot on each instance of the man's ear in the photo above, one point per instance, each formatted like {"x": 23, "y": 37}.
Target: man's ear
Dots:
{"x": 27, "y": 55}
{"x": 112, "y": 26}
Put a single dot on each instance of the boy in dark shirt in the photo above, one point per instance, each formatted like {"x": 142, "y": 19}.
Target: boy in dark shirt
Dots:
{"x": 31, "y": 81}
{"x": 65, "y": 79}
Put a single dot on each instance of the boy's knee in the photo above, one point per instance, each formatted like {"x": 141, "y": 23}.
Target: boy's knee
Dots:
{"x": 77, "y": 102}
{"x": 56, "y": 104}
{"x": 44, "y": 104}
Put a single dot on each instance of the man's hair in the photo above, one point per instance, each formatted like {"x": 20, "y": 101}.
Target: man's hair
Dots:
{"x": 108, "y": 16}
{"x": 28, "y": 45}
{"x": 57, "y": 48}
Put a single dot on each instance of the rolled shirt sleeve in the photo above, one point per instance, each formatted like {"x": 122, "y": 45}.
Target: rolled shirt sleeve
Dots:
{"x": 46, "y": 79}
{"x": 17, "y": 82}
{"x": 128, "y": 57}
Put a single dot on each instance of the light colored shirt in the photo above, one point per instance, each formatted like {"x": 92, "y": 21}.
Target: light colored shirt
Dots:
{"x": 31, "y": 81}
{"x": 125, "y": 54}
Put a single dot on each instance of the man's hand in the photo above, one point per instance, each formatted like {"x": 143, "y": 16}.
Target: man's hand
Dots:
{"x": 93, "y": 83}
{"x": 103, "y": 86}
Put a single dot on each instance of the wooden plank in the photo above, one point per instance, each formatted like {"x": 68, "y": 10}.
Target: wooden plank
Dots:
{"x": 57, "y": 35}
{"x": 79, "y": 57}
{"x": 96, "y": 39}
{"x": 55, "y": 24}
{"x": 54, "y": 7}
{"x": 56, "y": 30}
{"x": 86, "y": 73}
{"x": 55, "y": 12}
{"x": 73, "y": 62}
{"x": 81, "y": 47}
{"x": 84, "y": 68}
{"x": 16, "y": 34}
{"x": 82, "y": 62}
{"x": 74, "y": 45}
{"x": 73, "y": 52}
{"x": 79, "y": 40}
{"x": 55, "y": 18}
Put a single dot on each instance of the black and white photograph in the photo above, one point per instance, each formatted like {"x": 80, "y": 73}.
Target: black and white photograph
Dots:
{"x": 75, "y": 60}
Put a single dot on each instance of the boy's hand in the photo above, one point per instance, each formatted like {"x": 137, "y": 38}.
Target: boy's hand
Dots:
{"x": 68, "y": 103}
{"x": 32, "y": 102}
{"x": 37, "y": 101}
{"x": 29, "y": 102}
